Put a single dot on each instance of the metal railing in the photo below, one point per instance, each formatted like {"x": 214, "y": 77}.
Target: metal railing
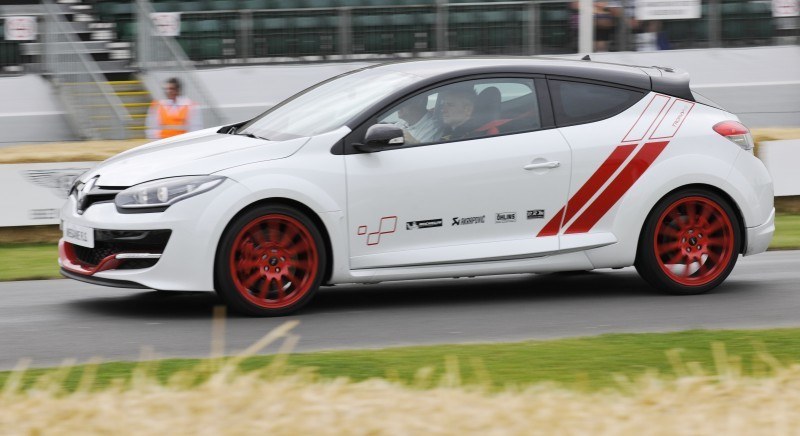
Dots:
{"x": 426, "y": 27}
{"x": 160, "y": 58}
{"x": 94, "y": 111}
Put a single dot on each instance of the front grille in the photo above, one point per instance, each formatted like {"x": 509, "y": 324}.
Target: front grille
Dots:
{"x": 112, "y": 242}
{"x": 93, "y": 256}
{"x": 98, "y": 194}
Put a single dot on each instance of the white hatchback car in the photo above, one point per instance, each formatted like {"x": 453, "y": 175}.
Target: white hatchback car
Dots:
{"x": 426, "y": 169}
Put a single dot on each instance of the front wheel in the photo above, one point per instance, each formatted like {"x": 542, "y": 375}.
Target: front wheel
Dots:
{"x": 270, "y": 261}
{"x": 689, "y": 244}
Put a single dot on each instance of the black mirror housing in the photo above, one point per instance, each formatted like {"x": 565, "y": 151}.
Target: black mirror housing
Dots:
{"x": 381, "y": 137}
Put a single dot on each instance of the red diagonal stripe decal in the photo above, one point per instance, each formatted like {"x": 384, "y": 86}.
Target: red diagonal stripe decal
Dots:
{"x": 618, "y": 187}
{"x": 588, "y": 189}
{"x": 552, "y": 226}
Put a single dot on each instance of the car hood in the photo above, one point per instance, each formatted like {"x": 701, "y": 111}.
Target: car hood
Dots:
{"x": 197, "y": 153}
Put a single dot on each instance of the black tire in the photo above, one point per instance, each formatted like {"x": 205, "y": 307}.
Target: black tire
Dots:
{"x": 270, "y": 261}
{"x": 689, "y": 262}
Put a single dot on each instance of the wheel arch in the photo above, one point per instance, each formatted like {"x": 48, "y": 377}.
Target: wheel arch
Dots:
{"x": 701, "y": 186}
{"x": 313, "y": 216}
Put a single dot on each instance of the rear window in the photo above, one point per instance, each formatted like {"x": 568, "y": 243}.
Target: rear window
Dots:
{"x": 579, "y": 102}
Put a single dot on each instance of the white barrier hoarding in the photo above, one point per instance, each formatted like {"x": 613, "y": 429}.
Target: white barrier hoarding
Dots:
{"x": 781, "y": 159}
{"x": 667, "y": 9}
{"x": 167, "y": 23}
{"x": 785, "y": 8}
{"x": 32, "y": 194}
{"x": 20, "y": 28}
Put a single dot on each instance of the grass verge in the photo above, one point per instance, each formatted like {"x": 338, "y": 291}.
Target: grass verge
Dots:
{"x": 713, "y": 395}
{"x": 787, "y": 232}
{"x": 584, "y": 364}
{"x": 28, "y": 261}
{"x": 38, "y": 261}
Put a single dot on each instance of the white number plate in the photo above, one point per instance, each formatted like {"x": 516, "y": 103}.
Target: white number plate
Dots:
{"x": 78, "y": 235}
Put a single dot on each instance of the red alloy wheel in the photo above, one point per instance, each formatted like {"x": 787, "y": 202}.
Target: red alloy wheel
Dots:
{"x": 694, "y": 241}
{"x": 273, "y": 261}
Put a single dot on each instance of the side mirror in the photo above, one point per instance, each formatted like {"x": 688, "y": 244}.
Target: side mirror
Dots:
{"x": 381, "y": 137}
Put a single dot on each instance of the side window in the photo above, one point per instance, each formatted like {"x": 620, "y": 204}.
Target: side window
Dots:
{"x": 467, "y": 110}
{"x": 578, "y": 103}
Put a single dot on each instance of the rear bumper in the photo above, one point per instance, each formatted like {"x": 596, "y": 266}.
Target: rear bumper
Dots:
{"x": 759, "y": 237}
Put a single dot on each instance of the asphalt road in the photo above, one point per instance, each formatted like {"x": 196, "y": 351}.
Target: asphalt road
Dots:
{"x": 49, "y": 321}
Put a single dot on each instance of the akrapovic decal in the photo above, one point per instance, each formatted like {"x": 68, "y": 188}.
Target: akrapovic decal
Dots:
{"x": 506, "y": 217}
{"x": 469, "y": 220}
{"x": 425, "y": 224}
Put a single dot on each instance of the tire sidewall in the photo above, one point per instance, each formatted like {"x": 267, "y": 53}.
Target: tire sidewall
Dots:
{"x": 648, "y": 266}
{"x": 226, "y": 287}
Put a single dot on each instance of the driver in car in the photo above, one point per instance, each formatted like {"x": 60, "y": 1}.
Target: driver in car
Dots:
{"x": 418, "y": 123}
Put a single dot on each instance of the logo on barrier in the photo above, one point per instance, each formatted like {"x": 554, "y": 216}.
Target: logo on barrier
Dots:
{"x": 59, "y": 181}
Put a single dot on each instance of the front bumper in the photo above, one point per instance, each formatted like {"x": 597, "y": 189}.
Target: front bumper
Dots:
{"x": 186, "y": 262}
{"x": 759, "y": 237}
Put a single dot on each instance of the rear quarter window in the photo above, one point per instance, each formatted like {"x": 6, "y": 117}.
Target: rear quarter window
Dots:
{"x": 580, "y": 102}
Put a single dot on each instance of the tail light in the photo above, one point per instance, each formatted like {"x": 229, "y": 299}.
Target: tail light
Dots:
{"x": 736, "y": 132}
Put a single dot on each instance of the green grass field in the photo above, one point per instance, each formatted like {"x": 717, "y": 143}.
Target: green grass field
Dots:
{"x": 38, "y": 261}
{"x": 787, "y": 232}
{"x": 582, "y": 363}
{"x": 28, "y": 261}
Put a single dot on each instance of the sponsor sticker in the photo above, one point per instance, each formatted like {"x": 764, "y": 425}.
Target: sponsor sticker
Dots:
{"x": 506, "y": 217}
{"x": 536, "y": 214}
{"x": 469, "y": 220}
{"x": 424, "y": 224}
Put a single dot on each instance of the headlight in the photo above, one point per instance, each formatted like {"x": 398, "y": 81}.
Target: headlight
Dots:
{"x": 160, "y": 194}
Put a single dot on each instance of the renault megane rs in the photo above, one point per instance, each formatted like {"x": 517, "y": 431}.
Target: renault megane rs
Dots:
{"x": 426, "y": 169}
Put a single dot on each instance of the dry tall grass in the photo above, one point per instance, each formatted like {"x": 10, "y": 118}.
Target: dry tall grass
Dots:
{"x": 76, "y": 151}
{"x": 272, "y": 402}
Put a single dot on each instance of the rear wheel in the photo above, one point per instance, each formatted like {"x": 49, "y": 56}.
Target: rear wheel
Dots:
{"x": 690, "y": 243}
{"x": 270, "y": 261}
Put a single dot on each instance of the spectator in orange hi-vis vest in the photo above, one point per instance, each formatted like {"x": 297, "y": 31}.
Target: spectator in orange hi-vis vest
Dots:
{"x": 173, "y": 115}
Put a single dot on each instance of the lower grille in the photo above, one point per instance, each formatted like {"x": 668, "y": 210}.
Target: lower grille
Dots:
{"x": 112, "y": 242}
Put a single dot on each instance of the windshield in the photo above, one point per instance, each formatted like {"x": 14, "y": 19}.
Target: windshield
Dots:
{"x": 327, "y": 106}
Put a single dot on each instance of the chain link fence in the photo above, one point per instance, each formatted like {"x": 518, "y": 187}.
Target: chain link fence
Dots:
{"x": 265, "y": 31}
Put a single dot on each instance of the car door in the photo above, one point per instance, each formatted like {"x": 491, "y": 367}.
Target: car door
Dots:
{"x": 606, "y": 127}
{"x": 462, "y": 191}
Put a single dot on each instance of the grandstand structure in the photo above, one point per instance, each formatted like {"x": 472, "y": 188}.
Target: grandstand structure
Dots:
{"x": 95, "y": 51}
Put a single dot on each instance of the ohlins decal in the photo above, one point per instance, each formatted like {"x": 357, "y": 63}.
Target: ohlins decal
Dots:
{"x": 626, "y": 163}
{"x": 505, "y": 217}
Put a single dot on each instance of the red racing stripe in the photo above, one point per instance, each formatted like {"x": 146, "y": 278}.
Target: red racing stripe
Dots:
{"x": 588, "y": 189}
{"x": 552, "y": 226}
{"x": 618, "y": 187}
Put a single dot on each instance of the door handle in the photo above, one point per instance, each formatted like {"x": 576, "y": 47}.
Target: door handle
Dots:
{"x": 540, "y": 165}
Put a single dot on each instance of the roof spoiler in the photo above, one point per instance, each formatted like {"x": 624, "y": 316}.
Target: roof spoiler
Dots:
{"x": 672, "y": 82}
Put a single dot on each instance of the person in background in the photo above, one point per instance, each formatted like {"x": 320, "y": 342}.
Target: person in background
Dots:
{"x": 173, "y": 115}
{"x": 458, "y": 114}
